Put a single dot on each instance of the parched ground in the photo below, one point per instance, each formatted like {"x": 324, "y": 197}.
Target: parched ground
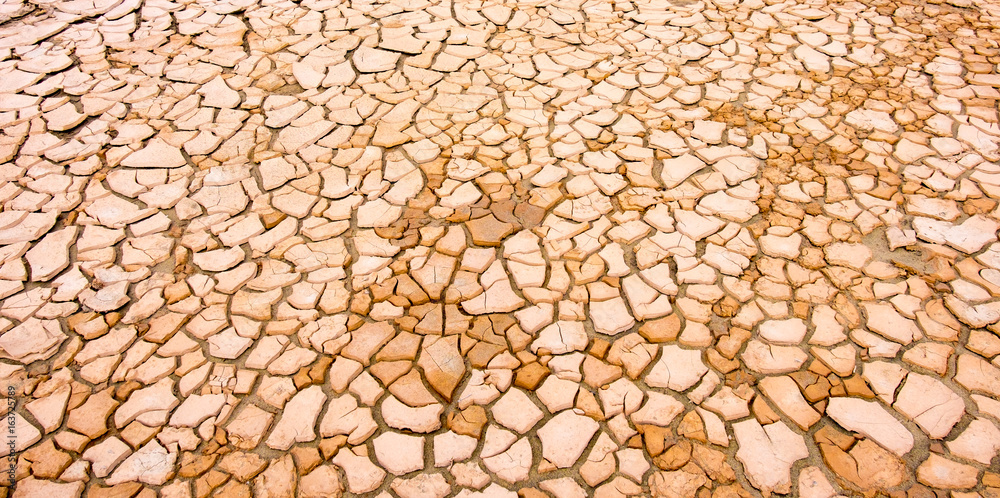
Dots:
{"x": 563, "y": 248}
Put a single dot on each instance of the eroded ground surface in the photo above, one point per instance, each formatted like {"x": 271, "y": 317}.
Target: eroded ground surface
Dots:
{"x": 428, "y": 249}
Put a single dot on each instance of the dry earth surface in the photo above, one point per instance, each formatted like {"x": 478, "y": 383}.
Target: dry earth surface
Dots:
{"x": 562, "y": 248}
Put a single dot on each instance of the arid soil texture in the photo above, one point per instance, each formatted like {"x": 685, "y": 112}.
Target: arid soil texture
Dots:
{"x": 432, "y": 248}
